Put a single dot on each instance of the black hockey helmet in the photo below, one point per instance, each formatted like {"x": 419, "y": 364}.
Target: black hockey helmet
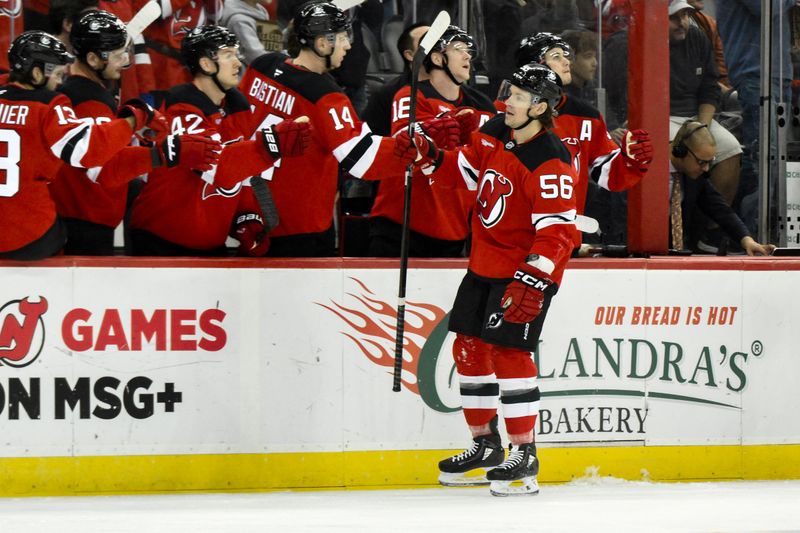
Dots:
{"x": 36, "y": 48}
{"x": 542, "y": 83}
{"x": 450, "y": 35}
{"x": 320, "y": 18}
{"x": 99, "y": 32}
{"x": 532, "y": 49}
{"x": 205, "y": 41}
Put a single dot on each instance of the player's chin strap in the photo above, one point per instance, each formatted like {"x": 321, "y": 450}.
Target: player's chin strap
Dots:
{"x": 527, "y": 122}
{"x": 213, "y": 76}
{"x": 446, "y": 68}
{"x": 328, "y": 64}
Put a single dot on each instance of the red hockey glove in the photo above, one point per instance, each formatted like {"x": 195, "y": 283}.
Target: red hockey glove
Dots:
{"x": 468, "y": 121}
{"x": 289, "y": 138}
{"x": 249, "y": 231}
{"x": 424, "y": 155}
{"x": 144, "y": 116}
{"x": 524, "y": 296}
{"x": 638, "y": 148}
{"x": 194, "y": 152}
{"x": 444, "y": 131}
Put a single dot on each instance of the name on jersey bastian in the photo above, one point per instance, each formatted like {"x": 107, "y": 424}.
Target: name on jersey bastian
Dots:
{"x": 13, "y": 114}
{"x": 272, "y": 96}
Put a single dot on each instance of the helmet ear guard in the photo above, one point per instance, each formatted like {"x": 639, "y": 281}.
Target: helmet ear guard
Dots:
{"x": 540, "y": 82}
{"x": 97, "y": 31}
{"x": 451, "y": 34}
{"x": 321, "y": 19}
{"x": 36, "y": 48}
{"x": 205, "y": 41}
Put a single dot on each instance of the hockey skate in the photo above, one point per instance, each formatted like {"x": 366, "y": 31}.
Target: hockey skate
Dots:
{"x": 517, "y": 475}
{"x": 469, "y": 467}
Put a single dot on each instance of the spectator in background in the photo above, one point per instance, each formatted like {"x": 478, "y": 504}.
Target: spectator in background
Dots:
{"x": 695, "y": 93}
{"x": 583, "y": 64}
{"x": 709, "y": 26}
{"x": 740, "y": 28}
{"x": 249, "y": 20}
{"x": 691, "y": 155}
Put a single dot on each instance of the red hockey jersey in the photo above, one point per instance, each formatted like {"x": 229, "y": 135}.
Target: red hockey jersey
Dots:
{"x": 525, "y": 201}
{"x": 595, "y": 155}
{"x": 38, "y": 132}
{"x": 304, "y": 190}
{"x": 435, "y": 211}
{"x": 163, "y": 39}
{"x": 193, "y": 210}
{"x": 97, "y": 194}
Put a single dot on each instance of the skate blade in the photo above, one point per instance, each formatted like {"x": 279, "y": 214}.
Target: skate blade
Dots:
{"x": 473, "y": 478}
{"x": 522, "y": 487}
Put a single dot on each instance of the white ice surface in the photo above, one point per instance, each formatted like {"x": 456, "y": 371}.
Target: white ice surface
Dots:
{"x": 593, "y": 505}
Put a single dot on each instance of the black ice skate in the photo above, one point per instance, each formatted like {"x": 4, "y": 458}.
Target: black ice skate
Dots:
{"x": 517, "y": 475}
{"x": 468, "y": 468}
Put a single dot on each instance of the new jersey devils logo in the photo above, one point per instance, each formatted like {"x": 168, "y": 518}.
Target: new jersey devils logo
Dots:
{"x": 492, "y": 197}
{"x": 209, "y": 190}
{"x": 21, "y": 342}
{"x": 10, "y": 8}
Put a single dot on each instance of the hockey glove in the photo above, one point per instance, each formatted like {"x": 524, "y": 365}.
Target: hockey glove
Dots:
{"x": 444, "y": 131}
{"x": 524, "y": 296}
{"x": 249, "y": 231}
{"x": 286, "y": 139}
{"x": 424, "y": 155}
{"x": 638, "y": 149}
{"x": 468, "y": 122}
{"x": 144, "y": 116}
{"x": 194, "y": 152}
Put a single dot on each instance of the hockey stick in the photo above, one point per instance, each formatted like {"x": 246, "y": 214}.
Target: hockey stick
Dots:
{"x": 142, "y": 19}
{"x": 434, "y": 33}
{"x": 344, "y": 5}
{"x": 266, "y": 204}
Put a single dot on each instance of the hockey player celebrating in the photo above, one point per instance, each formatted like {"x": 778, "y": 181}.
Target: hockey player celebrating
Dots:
{"x": 39, "y": 132}
{"x": 92, "y": 201}
{"x": 279, "y": 87}
{"x": 522, "y": 235}
{"x": 439, "y": 217}
{"x": 180, "y": 212}
{"x": 583, "y": 129}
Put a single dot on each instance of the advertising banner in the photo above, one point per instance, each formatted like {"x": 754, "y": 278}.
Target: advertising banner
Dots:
{"x": 145, "y": 361}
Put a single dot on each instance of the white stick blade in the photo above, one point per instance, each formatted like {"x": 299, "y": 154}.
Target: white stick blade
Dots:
{"x": 143, "y": 18}
{"x": 344, "y": 5}
{"x": 586, "y": 224}
{"x": 435, "y": 32}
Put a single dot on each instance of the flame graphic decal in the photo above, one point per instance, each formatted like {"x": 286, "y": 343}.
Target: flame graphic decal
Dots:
{"x": 373, "y": 330}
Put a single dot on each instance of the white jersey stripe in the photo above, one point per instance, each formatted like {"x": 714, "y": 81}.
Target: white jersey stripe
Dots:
{"x": 468, "y": 172}
{"x": 93, "y": 173}
{"x": 542, "y": 220}
{"x": 76, "y": 139}
{"x": 601, "y": 168}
